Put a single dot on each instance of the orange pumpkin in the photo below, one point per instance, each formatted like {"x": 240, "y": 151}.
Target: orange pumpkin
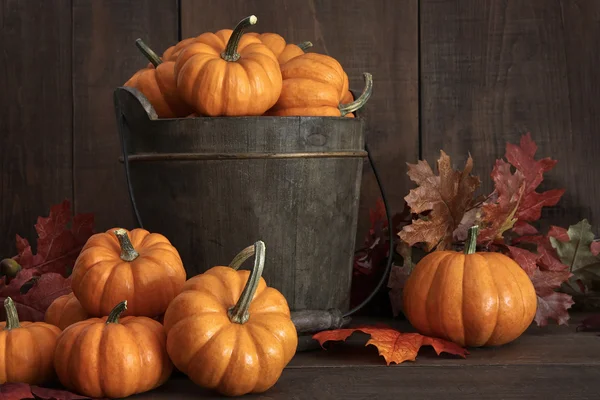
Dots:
{"x": 26, "y": 349}
{"x": 139, "y": 266}
{"x": 64, "y": 311}
{"x": 228, "y": 331}
{"x": 157, "y": 83}
{"x": 473, "y": 299}
{"x": 228, "y": 74}
{"x": 282, "y": 50}
{"x": 112, "y": 357}
{"x": 315, "y": 85}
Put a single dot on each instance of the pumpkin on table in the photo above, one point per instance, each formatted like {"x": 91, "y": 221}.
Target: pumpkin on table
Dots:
{"x": 228, "y": 74}
{"x": 315, "y": 85}
{"x": 228, "y": 331}
{"x": 472, "y": 299}
{"x": 142, "y": 267}
{"x": 283, "y": 51}
{"x": 111, "y": 356}
{"x": 64, "y": 311}
{"x": 26, "y": 349}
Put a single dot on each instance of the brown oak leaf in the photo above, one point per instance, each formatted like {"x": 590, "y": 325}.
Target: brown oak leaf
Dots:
{"x": 394, "y": 346}
{"x": 445, "y": 198}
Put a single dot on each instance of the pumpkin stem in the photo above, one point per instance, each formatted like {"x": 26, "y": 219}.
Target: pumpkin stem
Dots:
{"x": 362, "y": 99}
{"x": 239, "y": 312}
{"x": 148, "y": 53}
{"x": 241, "y": 257}
{"x": 471, "y": 243}
{"x": 230, "y": 53}
{"x": 12, "y": 318}
{"x": 113, "y": 317}
{"x": 305, "y": 45}
{"x": 128, "y": 253}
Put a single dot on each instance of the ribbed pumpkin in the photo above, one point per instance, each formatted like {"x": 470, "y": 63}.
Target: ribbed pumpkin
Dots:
{"x": 26, "y": 349}
{"x": 283, "y": 51}
{"x": 112, "y": 357}
{"x": 139, "y": 266}
{"x": 224, "y": 74}
{"x": 314, "y": 85}
{"x": 228, "y": 331}
{"x": 64, "y": 311}
{"x": 157, "y": 83}
{"x": 472, "y": 298}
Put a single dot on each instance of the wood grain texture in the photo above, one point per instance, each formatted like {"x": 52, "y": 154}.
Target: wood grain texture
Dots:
{"x": 305, "y": 209}
{"x": 377, "y": 37}
{"x": 104, "y": 57}
{"x": 493, "y": 71}
{"x": 550, "y": 362}
{"x": 35, "y": 114}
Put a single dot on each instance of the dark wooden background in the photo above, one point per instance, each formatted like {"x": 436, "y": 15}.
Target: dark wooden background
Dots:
{"x": 462, "y": 75}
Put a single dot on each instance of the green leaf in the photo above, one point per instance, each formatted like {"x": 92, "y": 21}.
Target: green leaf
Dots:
{"x": 577, "y": 254}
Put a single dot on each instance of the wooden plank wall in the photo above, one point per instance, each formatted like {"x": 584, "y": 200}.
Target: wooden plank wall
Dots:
{"x": 461, "y": 75}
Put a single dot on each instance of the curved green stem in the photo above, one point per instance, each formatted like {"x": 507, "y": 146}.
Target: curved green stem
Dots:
{"x": 148, "y": 53}
{"x": 239, "y": 313}
{"x": 128, "y": 253}
{"x": 12, "y": 318}
{"x": 113, "y": 317}
{"x": 305, "y": 45}
{"x": 471, "y": 243}
{"x": 242, "y": 256}
{"x": 230, "y": 53}
{"x": 362, "y": 99}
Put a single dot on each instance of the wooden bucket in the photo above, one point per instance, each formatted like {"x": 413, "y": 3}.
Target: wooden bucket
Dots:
{"x": 213, "y": 186}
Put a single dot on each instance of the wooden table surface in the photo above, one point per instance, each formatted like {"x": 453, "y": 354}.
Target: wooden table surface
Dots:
{"x": 544, "y": 363}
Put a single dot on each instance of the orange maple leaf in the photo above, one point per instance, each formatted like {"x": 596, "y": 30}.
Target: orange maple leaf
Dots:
{"x": 394, "y": 346}
{"x": 448, "y": 196}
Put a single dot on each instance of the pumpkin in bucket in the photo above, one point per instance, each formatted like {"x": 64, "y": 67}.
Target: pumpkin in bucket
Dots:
{"x": 141, "y": 267}
{"x": 315, "y": 85}
{"x": 228, "y": 73}
{"x": 157, "y": 83}
{"x": 228, "y": 331}
{"x": 472, "y": 299}
{"x": 283, "y": 51}
{"x": 26, "y": 348}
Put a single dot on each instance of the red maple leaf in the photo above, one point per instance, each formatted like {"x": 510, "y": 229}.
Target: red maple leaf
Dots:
{"x": 595, "y": 247}
{"x": 591, "y": 323}
{"x": 58, "y": 244}
{"x": 394, "y": 346}
{"x": 555, "y": 305}
{"x": 22, "y": 391}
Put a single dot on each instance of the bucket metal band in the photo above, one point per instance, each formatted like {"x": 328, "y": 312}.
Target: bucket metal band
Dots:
{"x": 240, "y": 156}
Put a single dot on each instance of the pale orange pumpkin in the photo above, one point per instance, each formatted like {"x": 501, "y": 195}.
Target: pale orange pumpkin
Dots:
{"x": 471, "y": 298}
{"x": 315, "y": 85}
{"x": 228, "y": 331}
{"x": 283, "y": 51}
{"x": 142, "y": 267}
{"x": 228, "y": 73}
{"x": 111, "y": 356}
{"x": 157, "y": 83}
{"x": 26, "y": 349}
{"x": 64, "y": 311}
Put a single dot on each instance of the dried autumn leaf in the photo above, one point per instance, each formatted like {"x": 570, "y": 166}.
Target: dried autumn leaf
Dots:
{"x": 446, "y": 197}
{"x": 526, "y": 259}
{"x": 591, "y": 323}
{"x": 547, "y": 282}
{"x": 59, "y": 242}
{"x": 555, "y": 306}
{"x": 42, "y": 393}
{"x": 398, "y": 276}
{"x": 524, "y": 228}
{"x": 500, "y": 215}
{"x": 15, "y": 391}
{"x": 577, "y": 254}
{"x": 595, "y": 247}
{"x": 33, "y": 304}
{"x": 394, "y": 346}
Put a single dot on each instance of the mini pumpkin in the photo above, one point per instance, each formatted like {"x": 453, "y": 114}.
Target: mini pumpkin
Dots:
{"x": 315, "y": 85}
{"x": 64, "y": 311}
{"x": 142, "y": 267}
{"x": 26, "y": 349}
{"x": 228, "y": 331}
{"x": 111, "y": 356}
{"x": 472, "y": 299}
{"x": 228, "y": 74}
{"x": 157, "y": 83}
{"x": 283, "y": 51}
